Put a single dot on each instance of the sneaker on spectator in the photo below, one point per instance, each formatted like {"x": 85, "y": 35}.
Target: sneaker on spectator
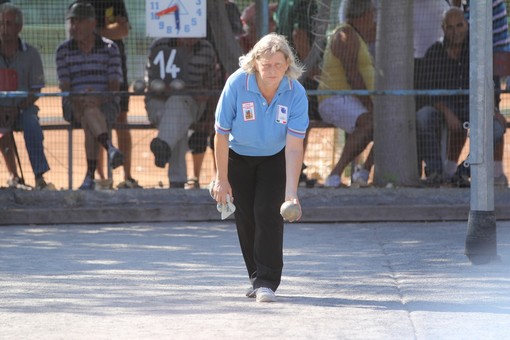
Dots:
{"x": 359, "y": 177}
{"x": 501, "y": 181}
{"x": 333, "y": 181}
{"x": 17, "y": 183}
{"x": 129, "y": 183}
{"x": 116, "y": 157}
{"x": 40, "y": 184}
{"x": 88, "y": 183}
{"x": 457, "y": 181}
{"x": 161, "y": 151}
{"x": 264, "y": 294}
{"x": 193, "y": 183}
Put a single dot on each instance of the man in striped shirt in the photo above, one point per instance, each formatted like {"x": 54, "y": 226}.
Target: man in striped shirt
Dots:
{"x": 89, "y": 63}
{"x": 189, "y": 64}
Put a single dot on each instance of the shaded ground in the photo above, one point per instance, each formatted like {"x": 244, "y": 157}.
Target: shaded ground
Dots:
{"x": 187, "y": 280}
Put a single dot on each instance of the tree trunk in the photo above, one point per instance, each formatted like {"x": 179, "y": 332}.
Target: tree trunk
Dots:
{"x": 394, "y": 116}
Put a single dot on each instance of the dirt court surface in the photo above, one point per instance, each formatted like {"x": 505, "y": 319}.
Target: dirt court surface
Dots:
{"x": 187, "y": 281}
{"x": 323, "y": 146}
{"x": 323, "y": 150}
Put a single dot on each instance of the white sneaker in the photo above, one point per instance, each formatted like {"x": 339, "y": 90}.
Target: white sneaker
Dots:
{"x": 17, "y": 183}
{"x": 264, "y": 294}
{"x": 360, "y": 177}
{"x": 332, "y": 181}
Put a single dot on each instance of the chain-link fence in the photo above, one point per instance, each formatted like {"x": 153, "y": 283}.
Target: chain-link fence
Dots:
{"x": 45, "y": 28}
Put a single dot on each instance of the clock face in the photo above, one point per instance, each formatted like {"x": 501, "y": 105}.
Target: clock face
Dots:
{"x": 176, "y": 18}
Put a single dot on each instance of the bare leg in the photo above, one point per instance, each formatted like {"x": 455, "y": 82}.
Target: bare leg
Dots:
{"x": 198, "y": 159}
{"x": 125, "y": 144}
{"x": 355, "y": 143}
{"x": 101, "y": 164}
{"x": 369, "y": 162}
{"x": 7, "y": 149}
{"x": 456, "y": 143}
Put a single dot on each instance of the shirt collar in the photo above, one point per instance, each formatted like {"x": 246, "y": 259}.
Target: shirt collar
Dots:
{"x": 22, "y": 45}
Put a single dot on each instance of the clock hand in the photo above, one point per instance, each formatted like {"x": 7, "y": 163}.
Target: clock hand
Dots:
{"x": 168, "y": 10}
{"x": 177, "y": 19}
{"x": 172, "y": 9}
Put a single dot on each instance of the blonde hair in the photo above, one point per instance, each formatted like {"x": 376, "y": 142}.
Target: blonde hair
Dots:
{"x": 272, "y": 43}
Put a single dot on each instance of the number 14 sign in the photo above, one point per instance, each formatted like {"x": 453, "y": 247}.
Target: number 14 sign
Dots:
{"x": 176, "y": 18}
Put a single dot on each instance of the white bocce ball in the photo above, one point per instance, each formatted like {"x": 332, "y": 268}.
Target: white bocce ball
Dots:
{"x": 290, "y": 211}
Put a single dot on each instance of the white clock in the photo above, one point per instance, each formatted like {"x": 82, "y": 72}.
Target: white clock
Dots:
{"x": 176, "y": 18}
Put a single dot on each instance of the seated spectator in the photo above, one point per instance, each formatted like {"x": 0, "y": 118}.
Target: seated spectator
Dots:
{"x": 112, "y": 22}
{"x": 348, "y": 65}
{"x": 187, "y": 63}
{"x": 446, "y": 66}
{"x": 250, "y": 36}
{"x": 86, "y": 63}
{"x": 427, "y": 17}
{"x": 21, "y": 70}
{"x": 500, "y": 36}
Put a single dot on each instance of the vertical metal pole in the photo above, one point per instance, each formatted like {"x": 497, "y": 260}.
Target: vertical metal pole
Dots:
{"x": 262, "y": 18}
{"x": 480, "y": 246}
{"x": 70, "y": 156}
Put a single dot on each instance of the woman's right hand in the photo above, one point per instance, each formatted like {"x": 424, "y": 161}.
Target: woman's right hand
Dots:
{"x": 220, "y": 190}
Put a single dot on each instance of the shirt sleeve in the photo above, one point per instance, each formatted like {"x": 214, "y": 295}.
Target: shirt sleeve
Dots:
{"x": 115, "y": 65}
{"x": 226, "y": 109}
{"x": 298, "y": 120}
{"x": 62, "y": 69}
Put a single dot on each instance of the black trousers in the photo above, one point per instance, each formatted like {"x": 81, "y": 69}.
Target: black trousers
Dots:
{"x": 258, "y": 186}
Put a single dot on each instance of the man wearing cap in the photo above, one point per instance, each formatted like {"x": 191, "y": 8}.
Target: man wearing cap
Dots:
{"x": 20, "y": 70}
{"x": 89, "y": 63}
{"x": 112, "y": 22}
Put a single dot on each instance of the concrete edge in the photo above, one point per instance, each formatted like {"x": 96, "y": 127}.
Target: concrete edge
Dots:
{"x": 207, "y": 212}
{"x": 319, "y": 205}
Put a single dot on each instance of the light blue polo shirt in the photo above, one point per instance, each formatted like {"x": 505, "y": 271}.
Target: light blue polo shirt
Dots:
{"x": 256, "y": 128}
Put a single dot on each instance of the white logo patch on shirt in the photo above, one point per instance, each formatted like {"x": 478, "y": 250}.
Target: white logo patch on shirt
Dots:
{"x": 249, "y": 111}
{"x": 282, "y": 114}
